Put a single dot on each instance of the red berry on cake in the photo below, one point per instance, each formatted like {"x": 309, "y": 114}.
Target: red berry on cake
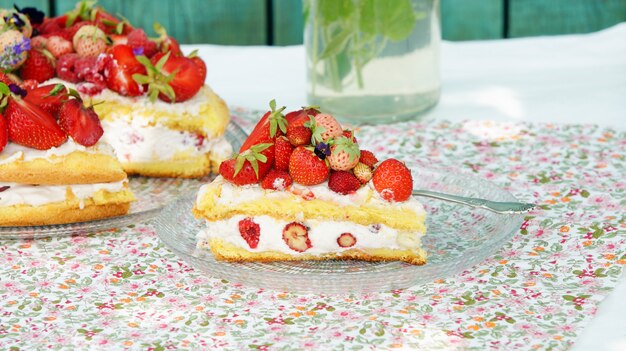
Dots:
{"x": 350, "y": 135}
{"x": 368, "y": 158}
{"x": 299, "y": 117}
{"x": 271, "y": 125}
{"x": 362, "y": 172}
{"x": 4, "y": 132}
{"x": 299, "y": 135}
{"x": 344, "y": 154}
{"x": 306, "y": 168}
{"x": 66, "y": 68}
{"x": 343, "y": 182}
{"x": 38, "y": 66}
{"x": 283, "y": 153}
{"x": 276, "y": 180}
{"x": 200, "y": 64}
{"x": 250, "y": 166}
{"x": 80, "y": 122}
{"x": 119, "y": 68}
{"x": 250, "y": 232}
{"x": 165, "y": 42}
{"x": 49, "y": 97}
{"x": 31, "y": 126}
{"x": 296, "y": 236}
{"x": 89, "y": 40}
{"x": 57, "y": 46}
{"x": 393, "y": 181}
{"x": 346, "y": 240}
{"x": 138, "y": 40}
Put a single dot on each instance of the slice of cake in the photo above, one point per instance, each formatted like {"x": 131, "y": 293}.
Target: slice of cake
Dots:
{"x": 160, "y": 117}
{"x": 301, "y": 189}
{"x": 53, "y": 167}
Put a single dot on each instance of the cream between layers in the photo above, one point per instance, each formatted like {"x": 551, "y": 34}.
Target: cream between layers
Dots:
{"x": 137, "y": 141}
{"x": 38, "y": 195}
{"x": 13, "y": 152}
{"x": 322, "y": 234}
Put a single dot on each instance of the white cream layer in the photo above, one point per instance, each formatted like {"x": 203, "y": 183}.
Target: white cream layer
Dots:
{"x": 232, "y": 195}
{"x": 37, "y": 195}
{"x": 13, "y": 152}
{"x": 137, "y": 141}
{"x": 322, "y": 234}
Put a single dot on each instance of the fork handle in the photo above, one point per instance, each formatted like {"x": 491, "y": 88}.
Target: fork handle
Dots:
{"x": 494, "y": 206}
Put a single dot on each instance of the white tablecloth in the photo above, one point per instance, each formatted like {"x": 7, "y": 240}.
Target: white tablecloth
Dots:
{"x": 562, "y": 79}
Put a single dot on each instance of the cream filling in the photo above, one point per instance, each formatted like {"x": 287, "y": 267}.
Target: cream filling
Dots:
{"x": 38, "y": 195}
{"x": 14, "y": 152}
{"x": 137, "y": 141}
{"x": 232, "y": 195}
{"x": 323, "y": 236}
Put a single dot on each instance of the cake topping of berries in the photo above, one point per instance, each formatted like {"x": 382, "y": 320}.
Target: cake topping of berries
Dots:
{"x": 299, "y": 135}
{"x": 283, "y": 153}
{"x": 393, "y": 180}
{"x": 306, "y": 167}
{"x": 324, "y": 127}
{"x": 343, "y": 182}
{"x": 296, "y": 236}
{"x": 368, "y": 158}
{"x": 250, "y": 232}
{"x": 250, "y": 166}
{"x": 346, "y": 240}
{"x": 80, "y": 122}
{"x": 344, "y": 154}
{"x": 276, "y": 180}
{"x": 267, "y": 128}
{"x": 362, "y": 172}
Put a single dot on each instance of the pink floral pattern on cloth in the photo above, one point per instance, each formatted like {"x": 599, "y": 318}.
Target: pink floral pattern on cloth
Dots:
{"x": 123, "y": 289}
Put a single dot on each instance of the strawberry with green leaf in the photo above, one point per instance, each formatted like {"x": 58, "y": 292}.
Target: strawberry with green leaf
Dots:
{"x": 268, "y": 127}
{"x": 344, "y": 154}
{"x": 250, "y": 166}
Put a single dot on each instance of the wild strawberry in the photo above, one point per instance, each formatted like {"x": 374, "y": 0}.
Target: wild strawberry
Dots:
{"x": 344, "y": 154}
{"x": 393, "y": 180}
{"x": 299, "y": 135}
{"x": 250, "y": 166}
{"x": 324, "y": 126}
{"x": 283, "y": 153}
{"x": 89, "y": 41}
{"x": 250, "y": 232}
{"x": 346, "y": 240}
{"x": 362, "y": 172}
{"x": 70, "y": 32}
{"x": 58, "y": 46}
{"x": 271, "y": 124}
{"x": 296, "y": 236}
{"x": 343, "y": 182}
{"x": 350, "y": 135}
{"x": 4, "y": 132}
{"x": 306, "y": 168}
{"x": 138, "y": 40}
{"x": 13, "y": 43}
{"x": 170, "y": 78}
{"x": 368, "y": 158}
{"x": 38, "y": 66}
{"x": 66, "y": 68}
{"x": 38, "y": 42}
{"x": 276, "y": 180}
{"x": 49, "y": 97}
{"x": 31, "y": 126}
{"x": 80, "y": 122}
{"x": 119, "y": 67}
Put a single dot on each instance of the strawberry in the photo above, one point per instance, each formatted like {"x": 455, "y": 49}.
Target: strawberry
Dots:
{"x": 250, "y": 232}
{"x": 299, "y": 135}
{"x": 276, "y": 180}
{"x": 299, "y": 117}
{"x": 4, "y": 133}
{"x": 250, "y": 166}
{"x": 199, "y": 63}
{"x": 167, "y": 43}
{"x": 31, "y": 126}
{"x": 170, "y": 78}
{"x": 6, "y": 79}
{"x": 138, "y": 40}
{"x": 38, "y": 66}
{"x": 368, "y": 158}
{"x": 344, "y": 154}
{"x": 283, "y": 153}
{"x": 49, "y": 97}
{"x": 49, "y": 26}
{"x": 89, "y": 41}
{"x": 350, "y": 135}
{"x": 324, "y": 126}
{"x": 15, "y": 45}
{"x": 393, "y": 180}
{"x": 118, "y": 39}
{"x": 343, "y": 182}
{"x": 80, "y": 122}
{"x": 29, "y": 84}
{"x": 58, "y": 46}
{"x": 306, "y": 168}
{"x": 119, "y": 68}
{"x": 362, "y": 172}
{"x": 268, "y": 127}
{"x": 346, "y": 240}
{"x": 39, "y": 42}
{"x": 111, "y": 24}
{"x": 296, "y": 236}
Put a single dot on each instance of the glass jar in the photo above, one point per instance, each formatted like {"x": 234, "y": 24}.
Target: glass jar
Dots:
{"x": 372, "y": 61}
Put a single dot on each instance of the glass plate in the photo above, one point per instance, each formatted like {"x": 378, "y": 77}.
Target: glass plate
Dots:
{"x": 152, "y": 195}
{"x": 458, "y": 237}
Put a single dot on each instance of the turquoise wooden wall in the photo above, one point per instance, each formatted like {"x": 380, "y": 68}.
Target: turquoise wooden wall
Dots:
{"x": 279, "y": 22}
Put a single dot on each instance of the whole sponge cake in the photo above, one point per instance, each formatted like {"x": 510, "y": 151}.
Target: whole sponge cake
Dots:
{"x": 160, "y": 117}
{"x": 301, "y": 189}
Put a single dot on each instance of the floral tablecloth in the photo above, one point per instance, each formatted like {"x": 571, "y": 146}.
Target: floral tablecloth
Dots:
{"x": 123, "y": 289}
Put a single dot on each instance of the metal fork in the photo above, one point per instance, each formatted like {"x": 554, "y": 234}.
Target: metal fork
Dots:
{"x": 494, "y": 206}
